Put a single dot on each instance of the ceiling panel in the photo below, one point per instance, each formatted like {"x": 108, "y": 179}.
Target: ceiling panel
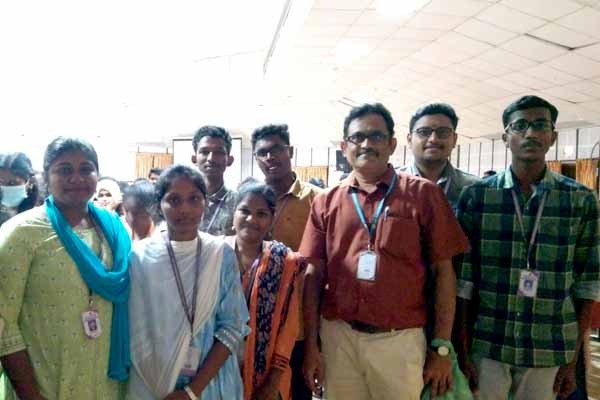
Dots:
{"x": 493, "y": 69}
{"x": 592, "y": 52}
{"x": 506, "y": 85}
{"x": 527, "y": 81}
{"x": 542, "y": 9}
{"x": 456, "y": 41}
{"x": 551, "y": 75}
{"x": 471, "y": 73}
{"x": 370, "y": 31}
{"x": 568, "y": 94}
{"x": 437, "y": 55}
{"x": 424, "y": 20}
{"x": 331, "y": 17}
{"x": 461, "y": 8}
{"x": 507, "y": 59}
{"x": 533, "y": 49}
{"x": 484, "y": 31}
{"x": 584, "y": 20}
{"x": 342, "y": 4}
{"x": 576, "y": 65}
{"x": 588, "y": 87}
{"x": 563, "y": 36}
{"x": 403, "y": 44}
{"x": 405, "y": 33}
{"x": 510, "y": 19}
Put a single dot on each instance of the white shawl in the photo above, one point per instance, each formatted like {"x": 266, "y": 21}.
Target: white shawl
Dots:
{"x": 160, "y": 331}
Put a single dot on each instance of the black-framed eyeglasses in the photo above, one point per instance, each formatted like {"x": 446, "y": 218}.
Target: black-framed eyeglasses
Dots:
{"x": 521, "y": 126}
{"x": 425, "y": 132}
{"x": 274, "y": 151}
{"x": 375, "y": 137}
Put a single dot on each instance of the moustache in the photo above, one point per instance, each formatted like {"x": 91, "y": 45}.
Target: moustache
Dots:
{"x": 531, "y": 143}
{"x": 368, "y": 151}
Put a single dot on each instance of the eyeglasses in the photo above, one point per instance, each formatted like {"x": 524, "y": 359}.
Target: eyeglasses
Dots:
{"x": 443, "y": 132}
{"x": 521, "y": 126}
{"x": 275, "y": 151}
{"x": 375, "y": 137}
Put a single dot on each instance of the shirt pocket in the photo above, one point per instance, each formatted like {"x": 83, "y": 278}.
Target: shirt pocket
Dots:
{"x": 400, "y": 237}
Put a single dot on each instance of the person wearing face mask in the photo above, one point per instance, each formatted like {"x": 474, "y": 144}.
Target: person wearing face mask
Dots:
{"x": 18, "y": 186}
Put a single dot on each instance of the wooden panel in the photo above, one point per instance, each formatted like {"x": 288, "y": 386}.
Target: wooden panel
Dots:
{"x": 144, "y": 162}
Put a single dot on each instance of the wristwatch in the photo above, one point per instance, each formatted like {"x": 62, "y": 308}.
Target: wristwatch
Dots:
{"x": 441, "y": 350}
{"x": 190, "y": 393}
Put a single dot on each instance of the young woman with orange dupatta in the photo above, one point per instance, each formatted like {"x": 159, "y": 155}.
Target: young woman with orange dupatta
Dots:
{"x": 269, "y": 272}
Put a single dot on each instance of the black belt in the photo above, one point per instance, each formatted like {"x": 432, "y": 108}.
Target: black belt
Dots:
{"x": 367, "y": 328}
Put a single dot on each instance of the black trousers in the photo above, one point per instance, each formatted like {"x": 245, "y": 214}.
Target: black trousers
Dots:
{"x": 299, "y": 389}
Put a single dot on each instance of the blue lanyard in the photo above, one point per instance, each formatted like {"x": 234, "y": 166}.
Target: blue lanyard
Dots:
{"x": 373, "y": 225}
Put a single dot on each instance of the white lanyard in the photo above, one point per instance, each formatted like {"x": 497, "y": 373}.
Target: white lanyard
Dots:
{"x": 536, "y": 224}
{"x": 447, "y": 185}
{"x": 214, "y": 217}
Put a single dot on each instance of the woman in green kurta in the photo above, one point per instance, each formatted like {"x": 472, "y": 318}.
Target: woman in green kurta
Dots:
{"x": 60, "y": 263}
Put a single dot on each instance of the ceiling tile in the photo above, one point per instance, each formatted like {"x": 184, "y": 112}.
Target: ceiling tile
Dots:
{"x": 383, "y": 57}
{"x": 308, "y": 40}
{"x": 584, "y": 20}
{"x": 576, "y": 65}
{"x": 565, "y": 93}
{"x": 403, "y": 44}
{"x": 487, "y": 89}
{"x": 436, "y": 54}
{"x": 493, "y": 69}
{"x": 527, "y": 81}
{"x": 588, "y": 87}
{"x": 456, "y": 41}
{"x": 452, "y": 77}
{"x": 433, "y": 21}
{"x": 563, "y": 36}
{"x": 533, "y": 49}
{"x": 507, "y": 59}
{"x": 417, "y": 66}
{"x": 507, "y": 85}
{"x": 551, "y": 75}
{"x": 461, "y": 8}
{"x": 542, "y": 9}
{"x": 370, "y": 31}
{"x": 485, "y": 32}
{"x": 417, "y": 34}
{"x": 592, "y": 52}
{"x": 372, "y": 17}
{"x": 472, "y": 73}
{"x": 510, "y": 19}
{"x": 331, "y": 17}
{"x": 592, "y": 105}
{"x": 342, "y": 4}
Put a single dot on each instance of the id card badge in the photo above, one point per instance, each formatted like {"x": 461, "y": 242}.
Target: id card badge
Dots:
{"x": 367, "y": 266}
{"x": 91, "y": 324}
{"x": 528, "y": 283}
{"x": 191, "y": 362}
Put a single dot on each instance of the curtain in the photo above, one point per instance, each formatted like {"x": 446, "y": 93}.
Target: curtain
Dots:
{"x": 144, "y": 162}
{"x": 554, "y": 166}
{"x": 305, "y": 173}
{"x": 587, "y": 172}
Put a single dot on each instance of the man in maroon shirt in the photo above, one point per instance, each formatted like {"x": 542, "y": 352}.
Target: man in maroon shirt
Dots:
{"x": 369, "y": 241}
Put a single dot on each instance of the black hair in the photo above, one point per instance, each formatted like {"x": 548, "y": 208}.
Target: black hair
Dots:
{"x": 142, "y": 192}
{"x": 62, "y": 145}
{"x": 212, "y": 131}
{"x": 262, "y": 132}
{"x": 20, "y": 165}
{"x": 259, "y": 189}
{"x": 156, "y": 171}
{"x": 432, "y": 109}
{"x": 174, "y": 172}
{"x": 366, "y": 109}
{"x": 525, "y": 103}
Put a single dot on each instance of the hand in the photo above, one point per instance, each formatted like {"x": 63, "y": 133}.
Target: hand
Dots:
{"x": 267, "y": 391}
{"x": 468, "y": 368}
{"x": 564, "y": 383}
{"x": 177, "y": 395}
{"x": 312, "y": 369}
{"x": 437, "y": 372}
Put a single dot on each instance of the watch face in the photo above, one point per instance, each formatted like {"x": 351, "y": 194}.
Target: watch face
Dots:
{"x": 443, "y": 351}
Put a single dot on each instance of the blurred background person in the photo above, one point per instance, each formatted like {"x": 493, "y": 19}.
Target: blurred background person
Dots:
{"x": 109, "y": 195}
{"x": 154, "y": 174}
{"x": 139, "y": 206}
{"x": 18, "y": 185}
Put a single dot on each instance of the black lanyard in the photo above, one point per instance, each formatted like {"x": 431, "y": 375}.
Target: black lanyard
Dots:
{"x": 190, "y": 314}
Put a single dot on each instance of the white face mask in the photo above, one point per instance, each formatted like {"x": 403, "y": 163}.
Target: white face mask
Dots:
{"x": 12, "y": 196}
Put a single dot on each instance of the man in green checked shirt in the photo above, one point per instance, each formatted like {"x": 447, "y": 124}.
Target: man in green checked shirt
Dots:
{"x": 533, "y": 269}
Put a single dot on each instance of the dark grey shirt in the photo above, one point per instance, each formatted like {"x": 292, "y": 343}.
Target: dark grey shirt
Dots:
{"x": 218, "y": 212}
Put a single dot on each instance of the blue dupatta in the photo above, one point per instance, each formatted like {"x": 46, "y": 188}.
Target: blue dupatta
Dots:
{"x": 112, "y": 285}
